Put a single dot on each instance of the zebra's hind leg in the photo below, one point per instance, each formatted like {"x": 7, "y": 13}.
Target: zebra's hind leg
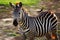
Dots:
{"x": 52, "y": 35}
{"x": 48, "y": 36}
{"x": 30, "y": 35}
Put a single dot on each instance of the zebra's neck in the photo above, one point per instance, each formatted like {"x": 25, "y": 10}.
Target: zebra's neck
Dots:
{"x": 24, "y": 23}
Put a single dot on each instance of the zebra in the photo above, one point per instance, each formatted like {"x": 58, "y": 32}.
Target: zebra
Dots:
{"x": 45, "y": 24}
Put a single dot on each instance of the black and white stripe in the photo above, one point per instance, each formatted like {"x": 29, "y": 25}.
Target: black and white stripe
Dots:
{"x": 44, "y": 23}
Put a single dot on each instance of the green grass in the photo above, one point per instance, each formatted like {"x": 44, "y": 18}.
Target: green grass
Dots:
{"x": 25, "y": 2}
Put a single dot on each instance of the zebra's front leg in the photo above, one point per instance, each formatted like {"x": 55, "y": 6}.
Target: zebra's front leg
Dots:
{"x": 22, "y": 34}
{"x": 27, "y": 34}
{"x": 30, "y": 35}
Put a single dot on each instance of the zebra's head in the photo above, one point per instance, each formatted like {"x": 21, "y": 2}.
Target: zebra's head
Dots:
{"x": 17, "y": 13}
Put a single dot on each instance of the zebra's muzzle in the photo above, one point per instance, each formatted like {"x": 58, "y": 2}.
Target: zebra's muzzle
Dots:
{"x": 15, "y": 23}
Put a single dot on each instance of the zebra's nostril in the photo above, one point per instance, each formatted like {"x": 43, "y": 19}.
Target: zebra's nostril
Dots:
{"x": 15, "y": 23}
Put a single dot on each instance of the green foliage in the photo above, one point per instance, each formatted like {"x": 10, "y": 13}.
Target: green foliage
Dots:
{"x": 25, "y": 2}
{"x": 59, "y": 31}
{"x": 11, "y": 33}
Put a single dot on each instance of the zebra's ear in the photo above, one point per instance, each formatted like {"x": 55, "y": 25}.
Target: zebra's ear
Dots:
{"x": 20, "y": 4}
{"x": 12, "y": 5}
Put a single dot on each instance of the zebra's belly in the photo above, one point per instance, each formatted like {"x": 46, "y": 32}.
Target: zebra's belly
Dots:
{"x": 41, "y": 33}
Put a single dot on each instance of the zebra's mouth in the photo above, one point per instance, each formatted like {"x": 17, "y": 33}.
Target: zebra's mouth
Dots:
{"x": 15, "y": 23}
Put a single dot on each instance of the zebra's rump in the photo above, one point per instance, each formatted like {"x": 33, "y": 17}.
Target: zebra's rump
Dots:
{"x": 45, "y": 23}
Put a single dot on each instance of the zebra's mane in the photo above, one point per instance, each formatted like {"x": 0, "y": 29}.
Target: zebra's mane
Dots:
{"x": 40, "y": 13}
{"x": 28, "y": 12}
{"x": 25, "y": 10}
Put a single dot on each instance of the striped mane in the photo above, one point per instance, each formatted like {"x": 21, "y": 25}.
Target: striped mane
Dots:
{"x": 25, "y": 10}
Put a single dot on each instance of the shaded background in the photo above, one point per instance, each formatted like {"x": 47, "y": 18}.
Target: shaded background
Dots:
{"x": 7, "y": 29}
